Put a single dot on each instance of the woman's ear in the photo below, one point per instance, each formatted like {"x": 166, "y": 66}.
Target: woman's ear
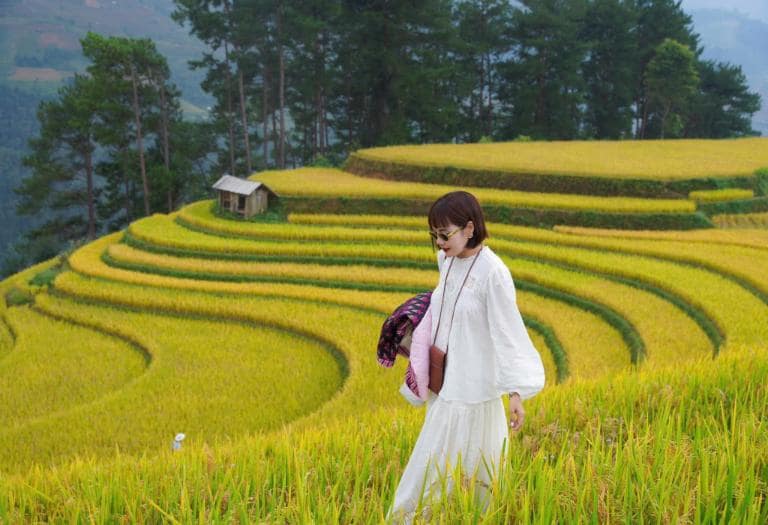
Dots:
{"x": 469, "y": 230}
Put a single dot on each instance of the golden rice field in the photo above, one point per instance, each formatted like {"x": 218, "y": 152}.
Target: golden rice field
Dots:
{"x": 720, "y": 195}
{"x": 742, "y": 220}
{"x": 657, "y": 159}
{"x": 258, "y": 340}
{"x": 328, "y": 182}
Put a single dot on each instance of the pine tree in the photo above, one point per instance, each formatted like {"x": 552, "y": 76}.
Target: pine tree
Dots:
{"x": 61, "y": 160}
{"x": 671, "y": 80}
{"x": 544, "y": 90}
{"x": 132, "y": 67}
{"x": 657, "y": 20}
{"x": 723, "y": 106}
{"x": 484, "y": 30}
{"x": 609, "y": 68}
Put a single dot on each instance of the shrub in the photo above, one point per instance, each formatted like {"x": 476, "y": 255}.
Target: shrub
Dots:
{"x": 761, "y": 185}
{"x": 17, "y": 296}
{"x": 321, "y": 161}
{"x": 46, "y": 277}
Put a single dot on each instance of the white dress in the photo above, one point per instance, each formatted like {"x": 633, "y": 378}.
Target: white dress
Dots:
{"x": 489, "y": 354}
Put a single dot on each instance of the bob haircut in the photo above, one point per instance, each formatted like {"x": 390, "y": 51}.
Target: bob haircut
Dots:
{"x": 459, "y": 207}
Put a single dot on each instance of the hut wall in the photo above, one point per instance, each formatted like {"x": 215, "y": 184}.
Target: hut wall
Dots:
{"x": 261, "y": 201}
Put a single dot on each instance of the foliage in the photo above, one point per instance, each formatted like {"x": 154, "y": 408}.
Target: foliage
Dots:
{"x": 671, "y": 80}
{"x": 16, "y": 296}
{"x": 61, "y": 159}
{"x": 355, "y": 76}
{"x": 722, "y": 106}
{"x": 46, "y": 277}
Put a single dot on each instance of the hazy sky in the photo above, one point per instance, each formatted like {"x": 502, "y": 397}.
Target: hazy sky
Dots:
{"x": 754, "y": 8}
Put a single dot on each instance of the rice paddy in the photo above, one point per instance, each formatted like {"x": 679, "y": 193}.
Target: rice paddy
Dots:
{"x": 258, "y": 341}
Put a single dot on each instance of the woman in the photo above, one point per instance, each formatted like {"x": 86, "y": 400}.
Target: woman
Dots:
{"x": 475, "y": 319}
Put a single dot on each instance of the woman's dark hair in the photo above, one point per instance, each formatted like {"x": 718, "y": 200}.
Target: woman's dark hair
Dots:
{"x": 459, "y": 207}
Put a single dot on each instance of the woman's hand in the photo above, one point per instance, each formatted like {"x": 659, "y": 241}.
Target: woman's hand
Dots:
{"x": 516, "y": 412}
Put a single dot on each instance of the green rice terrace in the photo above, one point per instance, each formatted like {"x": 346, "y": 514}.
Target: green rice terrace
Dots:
{"x": 647, "y": 297}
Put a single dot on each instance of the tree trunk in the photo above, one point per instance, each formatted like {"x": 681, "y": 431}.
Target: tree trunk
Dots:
{"x": 348, "y": 82}
{"x": 481, "y": 101}
{"x": 229, "y": 111}
{"x": 166, "y": 145}
{"x": 664, "y": 114}
{"x": 644, "y": 118}
{"x": 89, "y": 185}
{"x": 126, "y": 185}
{"x": 282, "y": 85}
{"x": 323, "y": 119}
{"x": 241, "y": 92}
{"x": 275, "y": 140}
{"x": 139, "y": 142}
{"x": 489, "y": 76}
{"x": 265, "y": 112}
{"x": 244, "y": 117}
{"x": 323, "y": 124}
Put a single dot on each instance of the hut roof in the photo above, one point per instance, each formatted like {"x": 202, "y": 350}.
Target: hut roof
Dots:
{"x": 239, "y": 186}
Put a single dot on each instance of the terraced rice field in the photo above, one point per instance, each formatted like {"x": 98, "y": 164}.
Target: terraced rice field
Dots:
{"x": 258, "y": 341}
{"x": 326, "y": 182}
{"x": 658, "y": 159}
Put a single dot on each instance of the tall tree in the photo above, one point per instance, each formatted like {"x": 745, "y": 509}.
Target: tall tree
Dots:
{"x": 609, "y": 68}
{"x": 543, "y": 91}
{"x": 61, "y": 160}
{"x": 671, "y": 80}
{"x": 209, "y": 21}
{"x": 281, "y": 44}
{"x": 484, "y": 30}
{"x": 389, "y": 50}
{"x": 723, "y": 106}
{"x": 311, "y": 27}
{"x": 133, "y": 66}
{"x": 657, "y": 20}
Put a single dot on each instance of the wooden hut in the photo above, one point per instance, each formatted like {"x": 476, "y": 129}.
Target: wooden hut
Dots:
{"x": 243, "y": 196}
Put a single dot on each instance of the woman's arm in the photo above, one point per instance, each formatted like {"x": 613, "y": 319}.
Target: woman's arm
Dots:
{"x": 518, "y": 364}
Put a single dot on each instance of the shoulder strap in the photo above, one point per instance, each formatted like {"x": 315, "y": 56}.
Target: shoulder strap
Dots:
{"x": 442, "y": 299}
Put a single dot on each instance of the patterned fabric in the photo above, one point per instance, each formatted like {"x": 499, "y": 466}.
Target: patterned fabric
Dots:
{"x": 404, "y": 319}
{"x": 406, "y": 316}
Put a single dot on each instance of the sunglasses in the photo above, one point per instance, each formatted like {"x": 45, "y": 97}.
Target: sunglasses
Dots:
{"x": 443, "y": 236}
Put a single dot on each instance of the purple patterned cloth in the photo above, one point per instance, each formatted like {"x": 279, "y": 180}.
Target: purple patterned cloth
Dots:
{"x": 406, "y": 317}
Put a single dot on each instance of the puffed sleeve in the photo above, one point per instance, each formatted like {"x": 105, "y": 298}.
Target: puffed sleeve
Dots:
{"x": 518, "y": 363}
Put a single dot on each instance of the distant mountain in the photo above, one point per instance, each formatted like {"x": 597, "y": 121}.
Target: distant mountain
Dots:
{"x": 39, "y": 47}
{"x": 39, "y": 40}
{"x": 730, "y": 36}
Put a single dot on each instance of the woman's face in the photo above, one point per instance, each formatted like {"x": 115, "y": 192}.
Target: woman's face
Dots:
{"x": 457, "y": 238}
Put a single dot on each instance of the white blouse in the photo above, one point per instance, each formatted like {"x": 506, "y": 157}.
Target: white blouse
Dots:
{"x": 489, "y": 351}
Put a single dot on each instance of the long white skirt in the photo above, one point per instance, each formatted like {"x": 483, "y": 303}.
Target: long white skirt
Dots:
{"x": 475, "y": 432}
